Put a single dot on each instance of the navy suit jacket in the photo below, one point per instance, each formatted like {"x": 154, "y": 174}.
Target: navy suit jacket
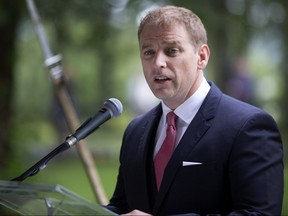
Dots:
{"x": 239, "y": 163}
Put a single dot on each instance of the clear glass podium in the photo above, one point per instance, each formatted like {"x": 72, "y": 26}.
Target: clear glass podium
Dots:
{"x": 41, "y": 199}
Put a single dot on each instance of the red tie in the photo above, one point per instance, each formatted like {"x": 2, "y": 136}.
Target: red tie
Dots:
{"x": 166, "y": 150}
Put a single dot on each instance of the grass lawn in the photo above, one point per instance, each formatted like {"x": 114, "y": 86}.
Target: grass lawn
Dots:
{"x": 73, "y": 177}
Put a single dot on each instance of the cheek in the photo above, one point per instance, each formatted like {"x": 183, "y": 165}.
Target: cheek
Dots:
{"x": 188, "y": 69}
{"x": 147, "y": 76}
{"x": 145, "y": 69}
{"x": 146, "y": 65}
{"x": 143, "y": 61}
{"x": 188, "y": 76}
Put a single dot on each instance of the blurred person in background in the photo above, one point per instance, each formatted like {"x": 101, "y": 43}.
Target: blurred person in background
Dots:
{"x": 240, "y": 83}
{"x": 227, "y": 155}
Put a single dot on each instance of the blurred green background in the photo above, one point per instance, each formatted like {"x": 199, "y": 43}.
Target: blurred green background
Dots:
{"x": 98, "y": 42}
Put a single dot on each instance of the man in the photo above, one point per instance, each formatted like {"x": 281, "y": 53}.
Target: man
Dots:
{"x": 228, "y": 155}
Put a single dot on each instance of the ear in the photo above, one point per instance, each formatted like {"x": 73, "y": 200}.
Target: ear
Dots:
{"x": 204, "y": 54}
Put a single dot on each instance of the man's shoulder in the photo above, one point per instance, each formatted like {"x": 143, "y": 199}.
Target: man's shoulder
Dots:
{"x": 227, "y": 101}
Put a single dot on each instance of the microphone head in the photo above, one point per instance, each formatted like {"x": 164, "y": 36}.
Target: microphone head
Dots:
{"x": 114, "y": 106}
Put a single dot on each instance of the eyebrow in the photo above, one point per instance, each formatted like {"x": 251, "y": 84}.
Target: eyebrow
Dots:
{"x": 164, "y": 42}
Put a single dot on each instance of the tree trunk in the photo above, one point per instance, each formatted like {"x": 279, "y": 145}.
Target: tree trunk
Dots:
{"x": 9, "y": 19}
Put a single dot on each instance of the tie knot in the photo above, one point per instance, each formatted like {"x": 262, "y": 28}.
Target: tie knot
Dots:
{"x": 171, "y": 118}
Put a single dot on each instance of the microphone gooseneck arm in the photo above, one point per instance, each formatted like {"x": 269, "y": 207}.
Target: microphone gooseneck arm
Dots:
{"x": 111, "y": 108}
{"x": 42, "y": 163}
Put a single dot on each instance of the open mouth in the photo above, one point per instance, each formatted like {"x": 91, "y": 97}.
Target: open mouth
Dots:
{"x": 161, "y": 78}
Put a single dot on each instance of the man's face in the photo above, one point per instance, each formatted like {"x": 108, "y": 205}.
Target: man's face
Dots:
{"x": 172, "y": 66}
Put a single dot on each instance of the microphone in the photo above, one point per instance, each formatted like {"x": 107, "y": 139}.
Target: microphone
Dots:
{"x": 111, "y": 108}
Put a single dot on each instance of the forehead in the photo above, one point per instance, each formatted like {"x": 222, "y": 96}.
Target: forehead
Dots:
{"x": 163, "y": 34}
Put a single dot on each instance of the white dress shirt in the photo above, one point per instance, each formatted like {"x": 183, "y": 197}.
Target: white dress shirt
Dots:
{"x": 185, "y": 112}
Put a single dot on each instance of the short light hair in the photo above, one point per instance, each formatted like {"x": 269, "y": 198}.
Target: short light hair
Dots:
{"x": 169, "y": 15}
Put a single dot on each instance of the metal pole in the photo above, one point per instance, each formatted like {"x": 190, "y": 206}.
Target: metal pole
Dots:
{"x": 53, "y": 63}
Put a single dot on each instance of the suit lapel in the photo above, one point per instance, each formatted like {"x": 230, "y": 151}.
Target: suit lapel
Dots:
{"x": 148, "y": 135}
{"x": 195, "y": 131}
{"x": 146, "y": 143}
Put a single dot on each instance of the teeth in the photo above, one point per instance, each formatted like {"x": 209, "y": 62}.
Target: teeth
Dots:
{"x": 161, "y": 78}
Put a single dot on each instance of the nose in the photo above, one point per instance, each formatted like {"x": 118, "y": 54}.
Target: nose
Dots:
{"x": 160, "y": 60}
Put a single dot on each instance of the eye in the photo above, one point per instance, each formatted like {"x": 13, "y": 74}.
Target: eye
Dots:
{"x": 172, "y": 51}
{"x": 148, "y": 53}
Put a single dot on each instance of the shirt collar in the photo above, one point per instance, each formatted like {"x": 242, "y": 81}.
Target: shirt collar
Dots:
{"x": 188, "y": 109}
